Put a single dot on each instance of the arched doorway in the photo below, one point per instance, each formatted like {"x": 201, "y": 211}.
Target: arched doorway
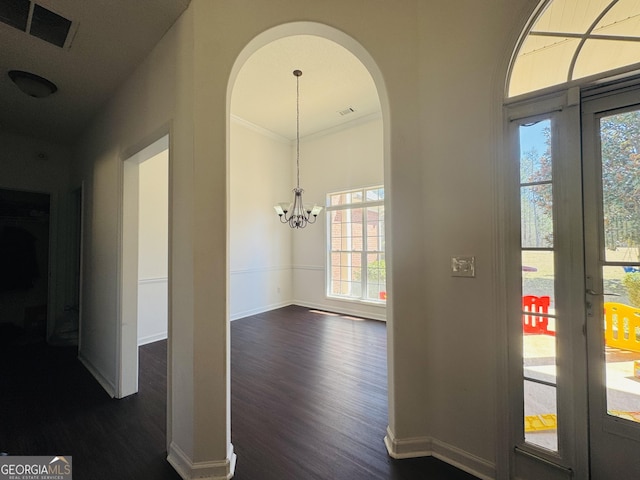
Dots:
{"x": 571, "y": 108}
{"x": 255, "y": 186}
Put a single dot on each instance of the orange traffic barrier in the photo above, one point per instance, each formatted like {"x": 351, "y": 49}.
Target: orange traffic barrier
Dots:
{"x": 535, "y": 324}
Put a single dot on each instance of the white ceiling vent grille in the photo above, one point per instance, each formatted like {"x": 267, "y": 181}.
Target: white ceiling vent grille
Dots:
{"x": 36, "y": 20}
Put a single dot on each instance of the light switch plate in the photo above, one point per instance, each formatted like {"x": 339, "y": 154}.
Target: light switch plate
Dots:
{"x": 463, "y": 266}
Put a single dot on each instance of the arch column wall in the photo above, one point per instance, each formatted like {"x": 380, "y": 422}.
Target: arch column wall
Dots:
{"x": 217, "y": 46}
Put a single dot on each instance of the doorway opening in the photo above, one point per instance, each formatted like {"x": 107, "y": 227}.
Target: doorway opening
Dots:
{"x": 144, "y": 260}
{"x": 338, "y": 152}
{"x": 24, "y": 266}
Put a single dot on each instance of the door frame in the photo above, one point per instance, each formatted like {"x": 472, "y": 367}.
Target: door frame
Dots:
{"x": 576, "y": 347}
{"x": 127, "y": 348}
{"x": 529, "y": 461}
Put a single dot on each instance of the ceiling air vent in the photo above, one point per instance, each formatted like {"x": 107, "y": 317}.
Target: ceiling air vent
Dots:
{"x": 36, "y": 20}
{"x": 346, "y": 111}
{"x": 49, "y": 26}
{"x": 15, "y": 13}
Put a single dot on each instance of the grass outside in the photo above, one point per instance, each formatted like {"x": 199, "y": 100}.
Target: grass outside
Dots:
{"x": 541, "y": 281}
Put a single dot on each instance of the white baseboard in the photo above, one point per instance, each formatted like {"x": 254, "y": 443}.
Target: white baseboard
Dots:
{"x": 218, "y": 470}
{"x": 317, "y": 306}
{"x": 343, "y": 309}
{"x": 152, "y": 338}
{"x": 463, "y": 460}
{"x": 106, "y": 384}
{"x": 256, "y": 311}
{"x": 407, "y": 447}
{"x": 427, "y": 446}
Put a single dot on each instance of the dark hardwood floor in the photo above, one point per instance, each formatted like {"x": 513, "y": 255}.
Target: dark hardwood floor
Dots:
{"x": 51, "y": 405}
{"x": 309, "y": 401}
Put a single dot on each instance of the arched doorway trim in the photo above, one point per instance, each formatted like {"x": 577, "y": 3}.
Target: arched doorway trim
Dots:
{"x": 361, "y": 54}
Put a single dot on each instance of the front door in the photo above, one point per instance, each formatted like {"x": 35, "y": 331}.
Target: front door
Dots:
{"x": 574, "y": 334}
{"x": 611, "y": 192}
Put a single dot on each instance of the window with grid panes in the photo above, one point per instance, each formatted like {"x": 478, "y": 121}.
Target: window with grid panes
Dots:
{"x": 356, "y": 244}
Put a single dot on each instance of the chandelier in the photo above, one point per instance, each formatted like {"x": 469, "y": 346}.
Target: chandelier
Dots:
{"x": 297, "y": 214}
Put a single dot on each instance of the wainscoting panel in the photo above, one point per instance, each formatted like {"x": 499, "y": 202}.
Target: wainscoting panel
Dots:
{"x": 152, "y": 310}
{"x": 257, "y": 290}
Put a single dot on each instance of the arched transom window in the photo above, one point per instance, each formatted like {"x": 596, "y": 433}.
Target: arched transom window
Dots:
{"x": 571, "y": 40}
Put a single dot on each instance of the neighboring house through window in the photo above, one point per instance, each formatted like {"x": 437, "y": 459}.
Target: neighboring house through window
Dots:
{"x": 356, "y": 245}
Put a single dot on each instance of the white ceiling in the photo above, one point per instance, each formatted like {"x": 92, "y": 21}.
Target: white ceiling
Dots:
{"x": 114, "y": 36}
{"x": 332, "y": 80}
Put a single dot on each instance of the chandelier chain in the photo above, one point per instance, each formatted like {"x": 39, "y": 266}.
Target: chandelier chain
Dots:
{"x": 298, "y": 129}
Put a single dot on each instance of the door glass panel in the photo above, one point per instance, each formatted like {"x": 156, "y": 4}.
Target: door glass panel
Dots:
{"x": 536, "y": 215}
{"x": 535, "y": 159}
{"x": 622, "y": 340}
{"x": 538, "y": 286}
{"x": 540, "y": 414}
{"x": 620, "y": 155}
{"x": 538, "y": 275}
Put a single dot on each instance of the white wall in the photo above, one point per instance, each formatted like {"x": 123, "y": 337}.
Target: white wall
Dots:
{"x": 332, "y": 161}
{"x": 131, "y": 121}
{"x": 272, "y": 265}
{"x": 461, "y": 151}
{"x": 260, "y": 263}
{"x": 159, "y": 98}
{"x": 153, "y": 248}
